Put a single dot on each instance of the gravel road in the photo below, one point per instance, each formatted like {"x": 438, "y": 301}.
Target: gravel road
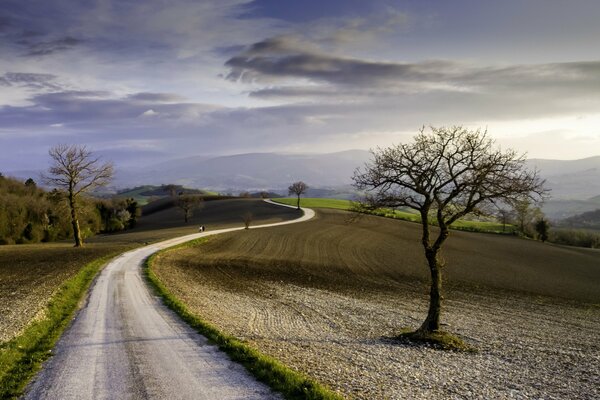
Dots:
{"x": 125, "y": 344}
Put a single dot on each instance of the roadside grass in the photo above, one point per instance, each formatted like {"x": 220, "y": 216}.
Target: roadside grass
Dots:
{"x": 292, "y": 384}
{"x": 462, "y": 225}
{"x": 22, "y": 357}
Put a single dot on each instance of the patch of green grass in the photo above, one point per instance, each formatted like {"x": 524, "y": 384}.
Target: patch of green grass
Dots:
{"x": 462, "y": 225}
{"x": 316, "y": 202}
{"x": 21, "y": 357}
{"x": 439, "y": 339}
{"x": 292, "y": 384}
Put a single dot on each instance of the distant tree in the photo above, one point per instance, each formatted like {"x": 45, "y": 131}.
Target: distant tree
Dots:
{"x": 542, "y": 227}
{"x": 298, "y": 188}
{"x": 75, "y": 170}
{"x": 247, "y": 217}
{"x": 264, "y": 194}
{"x": 525, "y": 215}
{"x": 504, "y": 216}
{"x": 134, "y": 210}
{"x": 245, "y": 195}
{"x": 187, "y": 203}
{"x": 30, "y": 183}
{"x": 171, "y": 189}
{"x": 447, "y": 174}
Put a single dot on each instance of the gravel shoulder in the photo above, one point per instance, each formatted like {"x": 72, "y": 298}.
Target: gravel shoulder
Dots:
{"x": 332, "y": 312}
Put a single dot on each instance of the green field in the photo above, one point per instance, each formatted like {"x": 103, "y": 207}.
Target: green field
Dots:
{"x": 464, "y": 225}
{"x": 316, "y": 202}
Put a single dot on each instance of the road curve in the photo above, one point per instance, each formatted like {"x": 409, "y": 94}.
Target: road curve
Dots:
{"x": 125, "y": 344}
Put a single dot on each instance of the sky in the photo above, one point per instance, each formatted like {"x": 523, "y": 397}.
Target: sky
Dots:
{"x": 141, "y": 82}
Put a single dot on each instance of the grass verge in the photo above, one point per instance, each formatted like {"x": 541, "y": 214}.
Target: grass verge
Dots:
{"x": 292, "y": 384}
{"x": 22, "y": 357}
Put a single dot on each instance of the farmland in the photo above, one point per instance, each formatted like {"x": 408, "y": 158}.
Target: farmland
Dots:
{"x": 30, "y": 274}
{"x": 406, "y": 215}
{"x": 328, "y": 296}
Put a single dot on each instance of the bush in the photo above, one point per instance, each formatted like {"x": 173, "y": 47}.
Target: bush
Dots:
{"x": 576, "y": 237}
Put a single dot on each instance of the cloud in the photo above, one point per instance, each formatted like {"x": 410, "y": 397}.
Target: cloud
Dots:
{"x": 45, "y": 48}
{"x": 148, "y": 113}
{"x": 157, "y": 97}
{"x": 279, "y": 58}
{"x": 30, "y": 80}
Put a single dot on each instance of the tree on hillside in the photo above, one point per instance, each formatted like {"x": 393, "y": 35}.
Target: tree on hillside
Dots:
{"x": 75, "y": 170}
{"x": 504, "y": 217}
{"x": 171, "y": 189}
{"x": 542, "y": 227}
{"x": 444, "y": 174}
{"x": 298, "y": 188}
{"x": 525, "y": 215}
{"x": 187, "y": 203}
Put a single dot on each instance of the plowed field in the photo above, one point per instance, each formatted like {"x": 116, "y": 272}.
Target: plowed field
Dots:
{"x": 326, "y": 296}
{"x": 30, "y": 274}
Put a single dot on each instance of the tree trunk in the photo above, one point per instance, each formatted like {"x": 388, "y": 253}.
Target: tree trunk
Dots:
{"x": 74, "y": 220}
{"x": 432, "y": 322}
{"x": 298, "y": 202}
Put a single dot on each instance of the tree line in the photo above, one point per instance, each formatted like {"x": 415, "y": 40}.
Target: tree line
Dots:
{"x": 30, "y": 214}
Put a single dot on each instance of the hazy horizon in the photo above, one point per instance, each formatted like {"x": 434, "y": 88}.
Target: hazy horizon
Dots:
{"x": 144, "y": 82}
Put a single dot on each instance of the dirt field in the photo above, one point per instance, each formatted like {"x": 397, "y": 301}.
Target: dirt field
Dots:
{"x": 29, "y": 274}
{"x": 326, "y": 297}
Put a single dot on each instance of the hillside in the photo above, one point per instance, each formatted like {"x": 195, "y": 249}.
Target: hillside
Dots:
{"x": 571, "y": 179}
{"x": 254, "y": 171}
{"x": 574, "y": 184}
{"x": 328, "y": 297}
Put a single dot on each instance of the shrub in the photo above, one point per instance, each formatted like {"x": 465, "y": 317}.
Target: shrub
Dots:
{"x": 576, "y": 237}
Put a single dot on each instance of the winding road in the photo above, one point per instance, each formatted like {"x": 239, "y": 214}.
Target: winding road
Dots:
{"x": 125, "y": 344}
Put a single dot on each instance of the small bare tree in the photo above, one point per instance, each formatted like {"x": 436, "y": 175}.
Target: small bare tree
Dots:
{"x": 187, "y": 203}
{"x": 75, "y": 170}
{"x": 247, "y": 217}
{"x": 446, "y": 174}
{"x": 298, "y": 188}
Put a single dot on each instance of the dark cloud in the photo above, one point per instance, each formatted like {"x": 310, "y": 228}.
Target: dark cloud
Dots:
{"x": 30, "y": 80}
{"x": 157, "y": 97}
{"x": 277, "y": 59}
{"x": 51, "y": 46}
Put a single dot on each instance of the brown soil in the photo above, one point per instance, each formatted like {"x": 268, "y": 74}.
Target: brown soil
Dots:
{"x": 30, "y": 274}
{"x": 327, "y": 297}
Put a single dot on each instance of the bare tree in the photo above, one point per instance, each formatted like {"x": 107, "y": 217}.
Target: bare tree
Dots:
{"x": 247, "y": 217}
{"x": 172, "y": 189}
{"x": 187, "y": 203}
{"x": 445, "y": 174}
{"x": 504, "y": 216}
{"x": 298, "y": 188}
{"x": 76, "y": 170}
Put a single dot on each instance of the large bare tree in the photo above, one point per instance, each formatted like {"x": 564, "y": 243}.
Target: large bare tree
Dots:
{"x": 298, "y": 188}
{"x": 75, "y": 170}
{"x": 445, "y": 174}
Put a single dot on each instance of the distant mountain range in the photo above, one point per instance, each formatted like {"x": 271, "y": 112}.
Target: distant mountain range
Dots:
{"x": 254, "y": 171}
{"x": 574, "y": 184}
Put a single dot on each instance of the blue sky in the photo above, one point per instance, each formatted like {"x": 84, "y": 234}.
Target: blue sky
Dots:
{"x": 141, "y": 82}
